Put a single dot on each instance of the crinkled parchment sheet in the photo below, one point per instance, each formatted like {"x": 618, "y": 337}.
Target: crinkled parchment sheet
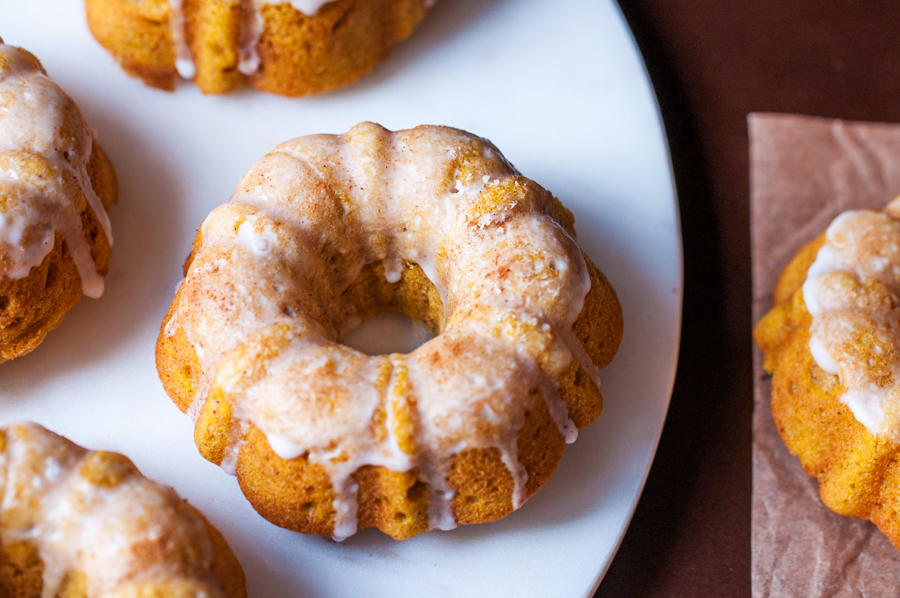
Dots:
{"x": 804, "y": 171}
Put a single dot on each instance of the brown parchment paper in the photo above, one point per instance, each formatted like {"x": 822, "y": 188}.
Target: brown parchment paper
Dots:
{"x": 804, "y": 171}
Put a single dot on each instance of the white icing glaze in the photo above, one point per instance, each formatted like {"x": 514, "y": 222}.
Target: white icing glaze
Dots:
{"x": 307, "y": 7}
{"x": 77, "y": 525}
{"x": 38, "y": 122}
{"x": 512, "y": 282}
{"x": 25, "y": 256}
{"x": 259, "y": 243}
{"x": 251, "y": 30}
{"x": 184, "y": 61}
{"x": 852, "y": 292}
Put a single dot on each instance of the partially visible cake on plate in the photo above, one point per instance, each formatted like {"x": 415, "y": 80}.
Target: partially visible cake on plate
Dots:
{"x": 292, "y": 48}
{"x": 55, "y": 187}
{"x": 79, "y": 523}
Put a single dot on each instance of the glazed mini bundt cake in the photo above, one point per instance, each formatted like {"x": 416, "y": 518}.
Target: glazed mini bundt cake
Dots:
{"x": 832, "y": 344}
{"x": 325, "y": 232}
{"x": 77, "y": 524}
{"x": 55, "y": 187}
{"x": 292, "y": 48}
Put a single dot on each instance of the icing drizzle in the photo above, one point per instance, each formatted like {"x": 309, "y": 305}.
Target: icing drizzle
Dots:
{"x": 512, "y": 283}
{"x": 41, "y": 126}
{"x": 852, "y": 292}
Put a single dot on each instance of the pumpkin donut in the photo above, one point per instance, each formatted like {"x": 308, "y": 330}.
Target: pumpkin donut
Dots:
{"x": 325, "y": 232}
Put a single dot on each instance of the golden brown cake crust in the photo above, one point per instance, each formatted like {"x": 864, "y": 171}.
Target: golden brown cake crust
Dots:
{"x": 298, "y": 493}
{"x": 858, "y": 473}
{"x": 33, "y": 305}
{"x": 298, "y": 54}
{"x": 138, "y": 35}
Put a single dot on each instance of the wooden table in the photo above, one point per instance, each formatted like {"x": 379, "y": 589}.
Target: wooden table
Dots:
{"x": 712, "y": 62}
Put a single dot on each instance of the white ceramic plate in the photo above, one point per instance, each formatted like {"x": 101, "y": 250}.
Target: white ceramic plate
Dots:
{"x": 559, "y": 87}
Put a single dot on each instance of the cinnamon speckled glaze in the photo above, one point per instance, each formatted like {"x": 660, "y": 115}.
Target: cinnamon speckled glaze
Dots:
{"x": 328, "y": 230}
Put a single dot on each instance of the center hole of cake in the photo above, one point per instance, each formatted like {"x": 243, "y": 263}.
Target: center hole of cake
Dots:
{"x": 388, "y": 332}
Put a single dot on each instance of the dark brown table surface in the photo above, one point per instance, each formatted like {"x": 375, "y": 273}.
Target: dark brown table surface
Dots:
{"x": 712, "y": 62}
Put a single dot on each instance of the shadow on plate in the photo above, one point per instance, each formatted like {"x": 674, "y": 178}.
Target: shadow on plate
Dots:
{"x": 266, "y": 577}
{"x": 443, "y": 23}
